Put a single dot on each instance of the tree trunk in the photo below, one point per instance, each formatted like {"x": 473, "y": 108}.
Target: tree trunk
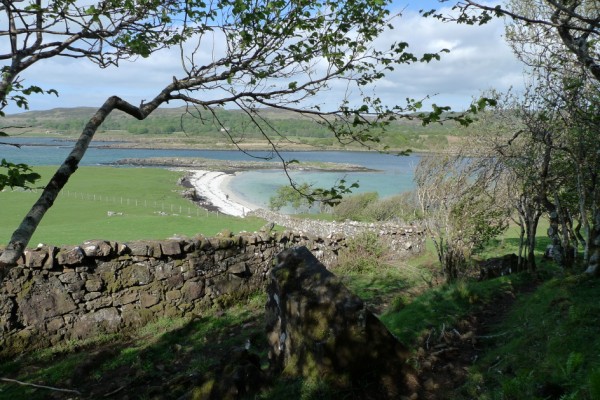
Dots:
{"x": 522, "y": 248}
{"x": 532, "y": 224}
{"x": 22, "y": 235}
{"x": 553, "y": 234}
{"x": 594, "y": 246}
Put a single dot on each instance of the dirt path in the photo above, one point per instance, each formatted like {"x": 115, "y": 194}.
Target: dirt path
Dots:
{"x": 447, "y": 352}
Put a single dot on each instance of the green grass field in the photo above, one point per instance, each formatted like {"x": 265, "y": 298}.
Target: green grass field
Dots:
{"x": 148, "y": 198}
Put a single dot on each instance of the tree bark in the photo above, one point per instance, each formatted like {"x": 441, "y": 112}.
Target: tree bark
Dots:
{"x": 20, "y": 238}
{"x": 594, "y": 246}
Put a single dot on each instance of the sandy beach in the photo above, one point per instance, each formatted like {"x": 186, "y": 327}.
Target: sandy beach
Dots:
{"x": 214, "y": 187}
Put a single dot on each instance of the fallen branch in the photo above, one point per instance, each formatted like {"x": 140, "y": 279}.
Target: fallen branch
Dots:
{"x": 40, "y": 386}
{"x": 117, "y": 390}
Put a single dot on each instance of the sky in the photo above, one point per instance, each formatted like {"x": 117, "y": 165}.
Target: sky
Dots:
{"x": 478, "y": 60}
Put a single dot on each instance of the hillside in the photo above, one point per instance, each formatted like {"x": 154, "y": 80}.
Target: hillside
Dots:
{"x": 177, "y": 127}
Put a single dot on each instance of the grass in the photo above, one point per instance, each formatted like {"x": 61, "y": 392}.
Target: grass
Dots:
{"x": 508, "y": 242}
{"x": 148, "y": 198}
{"x": 444, "y": 305}
{"x": 547, "y": 346}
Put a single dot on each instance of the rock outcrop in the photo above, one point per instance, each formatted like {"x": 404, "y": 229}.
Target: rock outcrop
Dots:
{"x": 318, "y": 329}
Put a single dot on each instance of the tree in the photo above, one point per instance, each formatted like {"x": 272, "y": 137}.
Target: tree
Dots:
{"x": 513, "y": 147}
{"x": 460, "y": 209}
{"x": 267, "y": 53}
{"x": 287, "y": 195}
{"x": 104, "y": 32}
{"x": 559, "y": 41}
{"x": 575, "y": 23}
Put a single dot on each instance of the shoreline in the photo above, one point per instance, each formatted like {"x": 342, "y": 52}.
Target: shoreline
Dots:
{"x": 213, "y": 187}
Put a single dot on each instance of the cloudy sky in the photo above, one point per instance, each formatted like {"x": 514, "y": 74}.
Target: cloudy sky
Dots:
{"x": 478, "y": 60}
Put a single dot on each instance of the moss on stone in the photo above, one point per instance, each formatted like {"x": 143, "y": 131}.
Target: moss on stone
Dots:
{"x": 203, "y": 392}
{"x": 27, "y": 287}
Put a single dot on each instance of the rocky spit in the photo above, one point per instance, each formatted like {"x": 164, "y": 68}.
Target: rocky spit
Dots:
{"x": 229, "y": 166}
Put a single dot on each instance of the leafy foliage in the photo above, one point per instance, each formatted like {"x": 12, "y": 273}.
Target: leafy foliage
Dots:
{"x": 365, "y": 254}
{"x": 17, "y": 175}
{"x": 287, "y": 195}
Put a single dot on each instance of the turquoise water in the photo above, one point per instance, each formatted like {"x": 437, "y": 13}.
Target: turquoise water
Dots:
{"x": 258, "y": 186}
{"x": 395, "y": 176}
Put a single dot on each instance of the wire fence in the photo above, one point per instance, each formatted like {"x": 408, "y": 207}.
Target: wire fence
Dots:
{"x": 159, "y": 207}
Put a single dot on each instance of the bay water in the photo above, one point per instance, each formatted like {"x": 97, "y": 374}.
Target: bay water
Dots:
{"x": 394, "y": 174}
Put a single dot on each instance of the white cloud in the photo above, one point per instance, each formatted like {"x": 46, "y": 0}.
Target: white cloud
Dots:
{"x": 478, "y": 60}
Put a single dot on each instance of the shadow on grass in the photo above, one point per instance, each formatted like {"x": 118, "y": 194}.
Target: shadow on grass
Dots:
{"x": 165, "y": 359}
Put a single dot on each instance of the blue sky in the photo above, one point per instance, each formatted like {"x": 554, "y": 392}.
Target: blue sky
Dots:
{"x": 478, "y": 60}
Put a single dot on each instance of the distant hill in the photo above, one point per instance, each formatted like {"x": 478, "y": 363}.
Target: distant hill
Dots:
{"x": 280, "y": 124}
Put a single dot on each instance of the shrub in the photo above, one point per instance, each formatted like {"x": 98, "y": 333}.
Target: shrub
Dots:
{"x": 353, "y": 207}
{"x": 365, "y": 254}
{"x": 402, "y": 208}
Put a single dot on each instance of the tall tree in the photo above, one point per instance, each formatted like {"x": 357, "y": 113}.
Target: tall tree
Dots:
{"x": 559, "y": 41}
{"x": 265, "y": 53}
{"x": 103, "y": 32}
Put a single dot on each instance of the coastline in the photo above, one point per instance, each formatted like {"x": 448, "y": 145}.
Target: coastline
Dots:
{"x": 214, "y": 187}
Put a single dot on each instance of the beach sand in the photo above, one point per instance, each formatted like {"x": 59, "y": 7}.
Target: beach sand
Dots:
{"x": 214, "y": 187}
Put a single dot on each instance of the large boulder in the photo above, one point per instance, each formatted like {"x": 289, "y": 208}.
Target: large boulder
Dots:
{"x": 318, "y": 329}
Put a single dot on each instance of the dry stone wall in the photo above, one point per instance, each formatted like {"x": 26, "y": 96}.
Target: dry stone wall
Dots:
{"x": 76, "y": 292}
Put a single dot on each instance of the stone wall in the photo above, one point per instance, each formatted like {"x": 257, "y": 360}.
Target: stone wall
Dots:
{"x": 76, "y": 292}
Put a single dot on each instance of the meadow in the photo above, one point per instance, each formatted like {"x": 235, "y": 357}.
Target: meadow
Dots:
{"x": 145, "y": 203}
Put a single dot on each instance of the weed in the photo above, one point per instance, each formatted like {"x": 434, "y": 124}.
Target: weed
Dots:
{"x": 594, "y": 384}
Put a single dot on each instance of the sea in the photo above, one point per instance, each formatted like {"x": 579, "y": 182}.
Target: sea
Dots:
{"x": 392, "y": 174}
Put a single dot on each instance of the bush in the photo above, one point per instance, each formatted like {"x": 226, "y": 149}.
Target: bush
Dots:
{"x": 365, "y": 254}
{"x": 368, "y": 207}
{"x": 353, "y": 207}
{"x": 402, "y": 207}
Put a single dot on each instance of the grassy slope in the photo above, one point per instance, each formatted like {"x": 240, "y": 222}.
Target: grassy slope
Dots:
{"x": 546, "y": 346}
{"x": 139, "y": 193}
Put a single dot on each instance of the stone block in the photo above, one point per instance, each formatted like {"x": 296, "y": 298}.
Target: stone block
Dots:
{"x": 55, "y": 324}
{"x": 69, "y": 277}
{"x": 100, "y": 321}
{"x": 173, "y": 295}
{"x": 36, "y": 258}
{"x": 138, "y": 274}
{"x": 92, "y": 296}
{"x": 240, "y": 270}
{"x": 147, "y": 300}
{"x": 44, "y": 299}
{"x": 70, "y": 255}
{"x": 100, "y": 302}
{"x": 171, "y": 248}
{"x": 94, "y": 285}
{"x": 163, "y": 271}
{"x": 126, "y": 298}
{"x": 139, "y": 249}
{"x": 97, "y": 248}
{"x": 192, "y": 291}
